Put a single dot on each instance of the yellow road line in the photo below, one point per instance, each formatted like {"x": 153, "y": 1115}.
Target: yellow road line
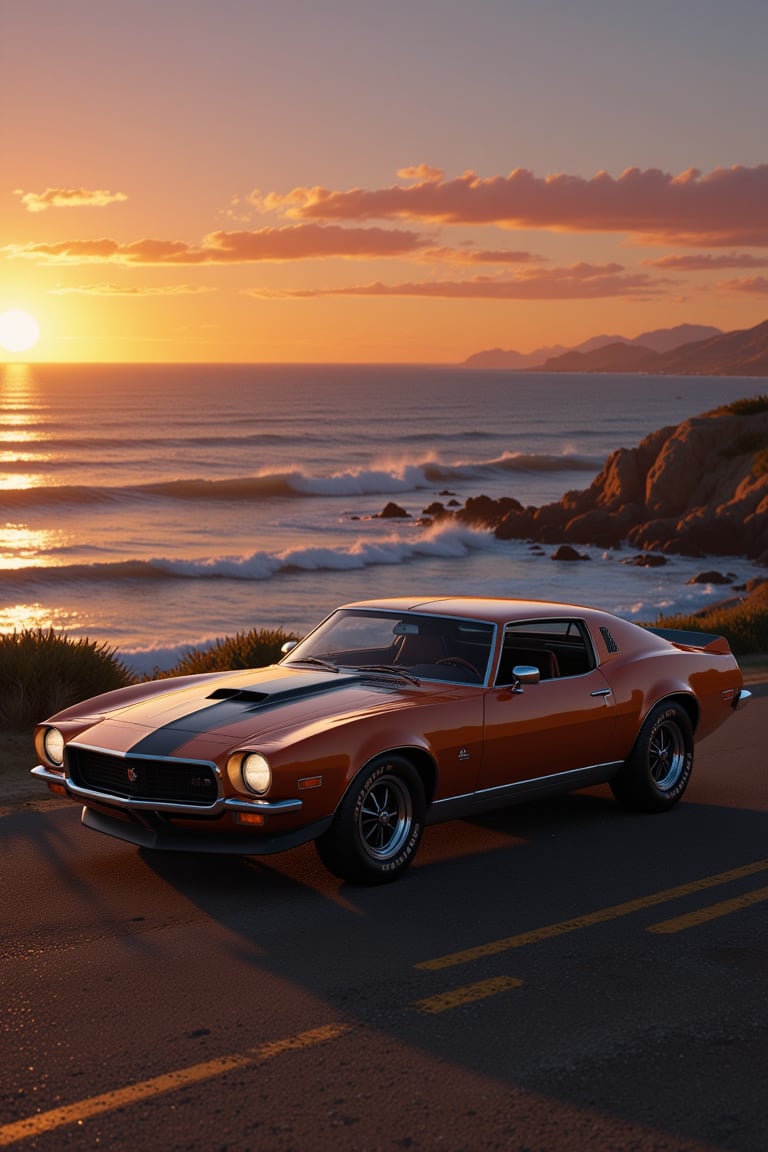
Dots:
{"x": 158, "y": 1085}
{"x": 549, "y": 931}
{"x": 468, "y": 993}
{"x": 680, "y": 923}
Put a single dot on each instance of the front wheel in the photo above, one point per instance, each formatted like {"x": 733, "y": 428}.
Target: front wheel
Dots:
{"x": 657, "y": 770}
{"x": 378, "y": 826}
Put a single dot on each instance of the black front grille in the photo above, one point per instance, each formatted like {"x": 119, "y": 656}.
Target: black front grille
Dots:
{"x": 142, "y": 778}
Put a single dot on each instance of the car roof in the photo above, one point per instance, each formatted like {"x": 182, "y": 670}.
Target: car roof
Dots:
{"x": 496, "y": 610}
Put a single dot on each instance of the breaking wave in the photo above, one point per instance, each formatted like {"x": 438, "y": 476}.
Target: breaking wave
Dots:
{"x": 443, "y": 541}
{"x": 383, "y": 481}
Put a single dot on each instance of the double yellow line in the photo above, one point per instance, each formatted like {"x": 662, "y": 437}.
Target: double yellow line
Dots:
{"x": 447, "y": 1000}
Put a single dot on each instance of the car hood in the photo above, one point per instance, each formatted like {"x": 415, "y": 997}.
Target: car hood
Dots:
{"x": 233, "y": 708}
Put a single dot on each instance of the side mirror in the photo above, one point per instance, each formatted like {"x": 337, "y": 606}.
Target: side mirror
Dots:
{"x": 288, "y": 646}
{"x": 524, "y": 674}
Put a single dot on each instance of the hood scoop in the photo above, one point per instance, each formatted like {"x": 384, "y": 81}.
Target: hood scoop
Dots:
{"x": 250, "y": 699}
{"x": 244, "y": 695}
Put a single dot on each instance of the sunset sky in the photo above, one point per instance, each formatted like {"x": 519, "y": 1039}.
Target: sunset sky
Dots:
{"x": 378, "y": 180}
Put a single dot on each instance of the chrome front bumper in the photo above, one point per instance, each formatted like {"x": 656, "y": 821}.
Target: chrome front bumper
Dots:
{"x": 220, "y": 804}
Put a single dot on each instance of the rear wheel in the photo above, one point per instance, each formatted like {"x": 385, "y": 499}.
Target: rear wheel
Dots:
{"x": 378, "y": 826}
{"x": 656, "y": 773}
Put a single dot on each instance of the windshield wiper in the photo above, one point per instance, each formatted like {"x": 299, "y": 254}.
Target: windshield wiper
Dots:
{"x": 390, "y": 669}
{"x": 317, "y": 661}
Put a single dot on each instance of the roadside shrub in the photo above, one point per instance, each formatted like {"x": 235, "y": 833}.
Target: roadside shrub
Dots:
{"x": 254, "y": 649}
{"x": 42, "y": 672}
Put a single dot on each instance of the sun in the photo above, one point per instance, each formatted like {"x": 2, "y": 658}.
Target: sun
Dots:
{"x": 18, "y": 331}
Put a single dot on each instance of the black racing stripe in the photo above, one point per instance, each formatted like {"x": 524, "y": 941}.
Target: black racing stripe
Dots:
{"x": 164, "y": 741}
{"x": 208, "y": 717}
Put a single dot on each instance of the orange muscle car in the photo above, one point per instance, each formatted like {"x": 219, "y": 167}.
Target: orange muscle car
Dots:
{"x": 390, "y": 715}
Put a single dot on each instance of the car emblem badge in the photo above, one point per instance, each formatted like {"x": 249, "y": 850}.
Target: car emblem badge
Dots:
{"x": 132, "y": 775}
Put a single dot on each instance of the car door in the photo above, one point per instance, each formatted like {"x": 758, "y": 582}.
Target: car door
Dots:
{"x": 560, "y": 724}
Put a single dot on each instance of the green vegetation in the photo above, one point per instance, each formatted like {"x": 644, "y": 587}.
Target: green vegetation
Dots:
{"x": 254, "y": 649}
{"x": 42, "y": 672}
{"x": 744, "y": 625}
{"x": 748, "y": 406}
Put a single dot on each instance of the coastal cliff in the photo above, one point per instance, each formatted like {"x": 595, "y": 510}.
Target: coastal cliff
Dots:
{"x": 697, "y": 489}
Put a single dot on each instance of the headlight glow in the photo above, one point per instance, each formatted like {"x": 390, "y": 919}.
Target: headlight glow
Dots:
{"x": 256, "y": 772}
{"x": 53, "y": 745}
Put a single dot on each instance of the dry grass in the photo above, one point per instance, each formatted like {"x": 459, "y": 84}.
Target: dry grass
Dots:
{"x": 744, "y": 625}
{"x": 254, "y": 649}
{"x": 42, "y": 672}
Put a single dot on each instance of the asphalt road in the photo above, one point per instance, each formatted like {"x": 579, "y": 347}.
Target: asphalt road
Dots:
{"x": 556, "y": 976}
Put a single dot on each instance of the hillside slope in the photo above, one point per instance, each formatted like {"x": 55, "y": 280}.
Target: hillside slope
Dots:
{"x": 740, "y": 353}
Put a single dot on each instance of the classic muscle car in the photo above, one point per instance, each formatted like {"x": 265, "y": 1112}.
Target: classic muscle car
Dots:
{"x": 390, "y": 715}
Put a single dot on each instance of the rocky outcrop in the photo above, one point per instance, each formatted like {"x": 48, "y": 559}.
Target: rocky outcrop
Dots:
{"x": 698, "y": 489}
{"x": 392, "y": 511}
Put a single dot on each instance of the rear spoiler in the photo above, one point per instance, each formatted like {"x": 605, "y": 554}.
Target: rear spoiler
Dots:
{"x": 703, "y": 641}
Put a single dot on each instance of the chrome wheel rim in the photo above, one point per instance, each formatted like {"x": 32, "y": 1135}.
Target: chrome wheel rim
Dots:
{"x": 666, "y": 756}
{"x": 385, "y": 818}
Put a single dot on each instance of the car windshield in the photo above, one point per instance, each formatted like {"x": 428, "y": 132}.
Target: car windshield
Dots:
{"x": 427, "y": 647}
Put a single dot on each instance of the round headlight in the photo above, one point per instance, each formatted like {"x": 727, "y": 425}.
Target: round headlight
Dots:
{"x": 257, "y": 775}
{"x": 53, "y": 745}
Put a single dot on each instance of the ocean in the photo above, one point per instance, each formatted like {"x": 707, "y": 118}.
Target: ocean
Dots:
{"x": 158, "y": 507}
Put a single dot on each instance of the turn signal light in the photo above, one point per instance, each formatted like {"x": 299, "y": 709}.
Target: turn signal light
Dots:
{"x": 251, "y": 818}
{"x": 59, "y": 789}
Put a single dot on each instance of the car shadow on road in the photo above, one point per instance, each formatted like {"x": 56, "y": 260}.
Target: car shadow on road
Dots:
{"x": 553, "y": 892}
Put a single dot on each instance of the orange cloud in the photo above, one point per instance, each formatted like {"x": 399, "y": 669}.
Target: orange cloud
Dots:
{"x": 68, "y": 198}
{"x": 421, "y": 172}
{"x": 725, "y": 206}
{"x": 705, "y": 262}
{"x": 311, "y": 241}
{"x": 478, "y": 256}
{"x": 103, "y": 251}
{"x": 579, "y": 282}
{"x": 293, "y": 242}
{"x": 756, "y": 285}
{"x": 120, "y": 290}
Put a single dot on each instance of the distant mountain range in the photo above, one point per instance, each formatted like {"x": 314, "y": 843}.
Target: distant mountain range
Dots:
{"x": 686, "y": 350}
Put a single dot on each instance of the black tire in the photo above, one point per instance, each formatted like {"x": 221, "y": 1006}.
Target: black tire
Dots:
{"x": 656, "y": 773}
{"x": 378, "y": 825}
